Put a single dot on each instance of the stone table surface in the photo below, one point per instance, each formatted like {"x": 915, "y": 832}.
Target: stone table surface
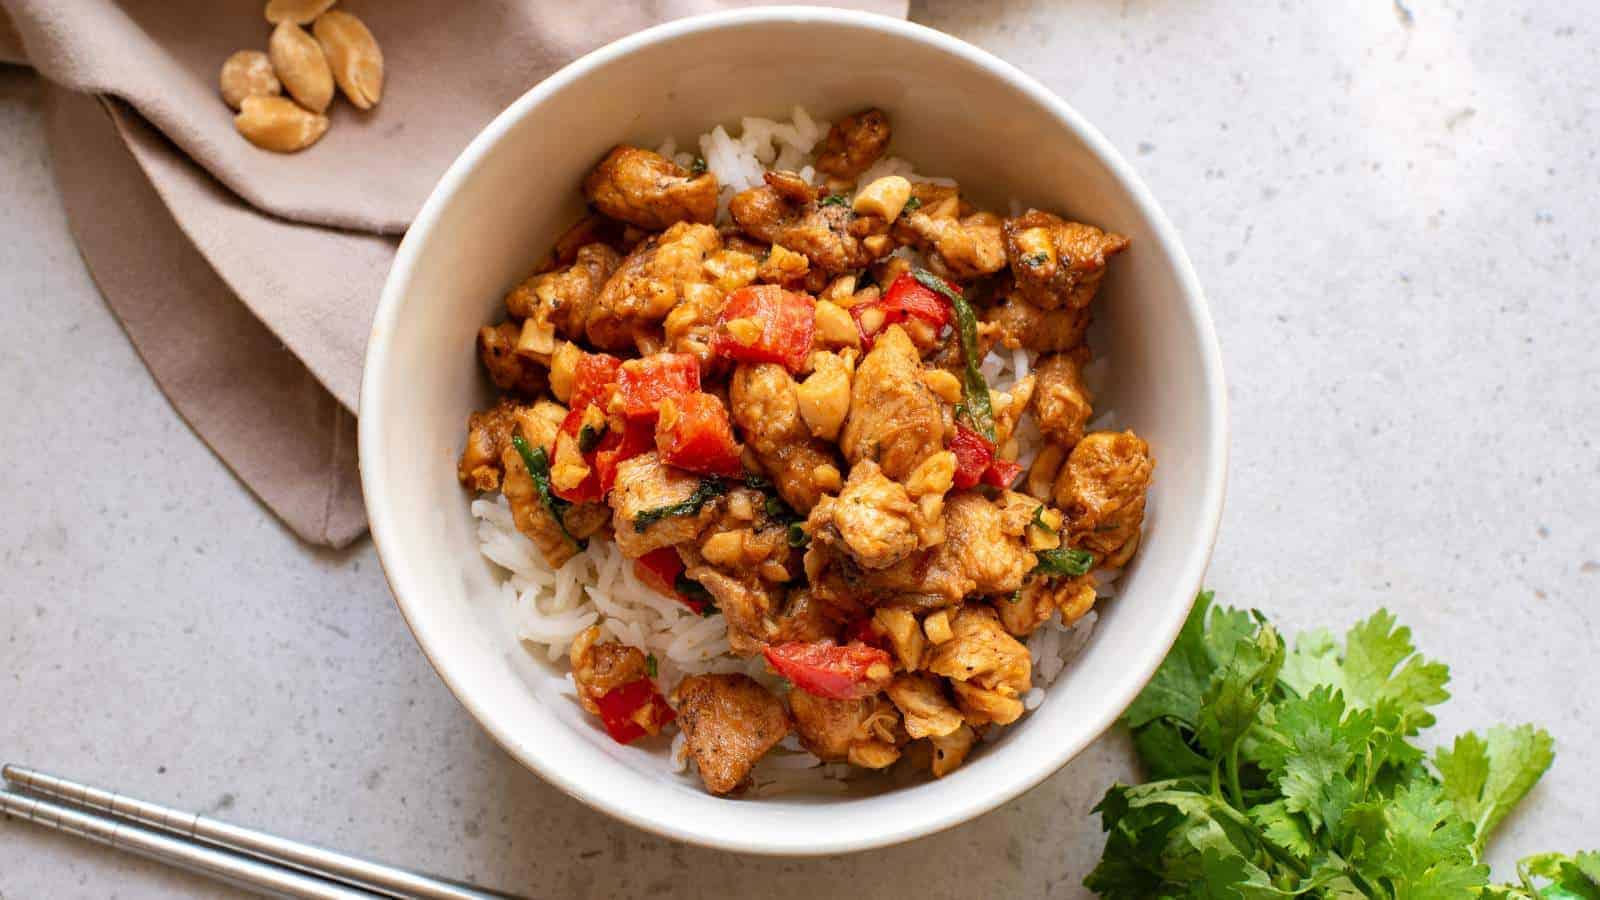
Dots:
{"x": 1392, "y": 209}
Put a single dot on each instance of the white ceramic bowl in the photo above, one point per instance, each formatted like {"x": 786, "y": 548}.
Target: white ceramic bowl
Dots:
{"x": 956, "y": 111}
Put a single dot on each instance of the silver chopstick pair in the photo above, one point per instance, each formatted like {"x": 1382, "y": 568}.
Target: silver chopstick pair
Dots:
{"x": 243, "y": 857}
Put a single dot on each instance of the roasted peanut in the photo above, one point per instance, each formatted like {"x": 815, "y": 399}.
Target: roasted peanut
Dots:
{"x": 279, "y": 124}
{"x": 300, "y": 12}
{"x": 247, "y": 73}
{"x": 298, "y": 60}
{"x": 353, "y": 54}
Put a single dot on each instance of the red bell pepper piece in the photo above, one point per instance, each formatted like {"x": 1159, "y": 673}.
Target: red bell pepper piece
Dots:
{"x": 864, "y": 631}
{"x": 697, "y": 436}
{"x": 973, "y": 457}
{"x": 660, "y": 569}
{"x": 1002, "y": 473}
{"x": 589, "y": 488}
{"x": 593, "y": 379}
{"x": 634, "y": 438}
{"x": 907, "y": 298}
{"x": 829, "y": 670}
{"x": 787, "y": 322}
{"x": 643, "y": 383}
{"x": 634, "y": 710}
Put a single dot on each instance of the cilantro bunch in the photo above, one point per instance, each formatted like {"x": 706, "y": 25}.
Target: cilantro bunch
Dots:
{"x": 1284, "y": 773}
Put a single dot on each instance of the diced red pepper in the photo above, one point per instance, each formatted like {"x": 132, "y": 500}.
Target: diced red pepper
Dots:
{"x": 643, "y": 383}
{"x": 907, "y": 298}
{"x": 786, "y": 319}
{"x": 1002, "y": 473}
{"x": 634, "y": 710}
{"x": 589, "y": 488}
{"x": 660, "y": 569}
{"x": 697, "y": 436}
{"x": 829, "y": 670}
{"x": 973, "y": 457}
{"x": 618, "y": 446}
{"x": 594, "y": 377}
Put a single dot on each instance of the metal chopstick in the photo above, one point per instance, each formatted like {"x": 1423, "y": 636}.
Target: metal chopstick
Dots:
{"x": 374, "y": 877}
{"x": 239, "y": 871}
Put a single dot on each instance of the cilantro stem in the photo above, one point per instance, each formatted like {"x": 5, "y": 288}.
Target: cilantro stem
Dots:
{"x": 1234, "y": 790}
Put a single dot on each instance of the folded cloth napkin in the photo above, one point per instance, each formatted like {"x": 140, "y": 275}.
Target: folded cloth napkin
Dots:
{"x": 247, "y": 279}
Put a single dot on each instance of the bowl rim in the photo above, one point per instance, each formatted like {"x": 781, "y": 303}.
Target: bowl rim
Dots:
{"x": 1139, "y": 670}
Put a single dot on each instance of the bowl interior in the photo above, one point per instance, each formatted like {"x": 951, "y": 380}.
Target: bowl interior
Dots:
{"x": 955, "y": 112}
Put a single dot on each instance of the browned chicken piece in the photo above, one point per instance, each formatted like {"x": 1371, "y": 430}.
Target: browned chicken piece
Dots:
{"x": 729, "y": 722}
{"x": 829, "y": 234}
{"x": 1056, "y": 262}
{"x": 864, "y": 732}
{"x": 1018, "y": 323}
{"x": 645, "y": 486}
{"x": 560, "y": 301}
{"x": 922, "y": 702}
{"x": 540, "y": 422}
{"x": 904, "y": 633}
{"x": 746, "y": 602}
{"x": 1101, "y": 490}
{"x": 593, "y": 228}
{"x": 803, "y": 618}
{"x": 981, "y": 706}
{"x": 960, "y": 242}
{"x": 1023, "y": 612}
{"x": 763, "y": 401}
{"x": 871, "y": 518}
{"x": 854, "y": 143}
{"x": 1061, "y": 402}
{"x": 646, "y": 189}
{"x": 488, "y": 435}
{"x": 950, "y": 751}
{"x": 986, "y": 544}
{"x": 599, "y": 667}
{"x": 743, "y": 538}
{"x": 652, "y": 280}
{"x": 895, "y": 420}
{"x": 981, "y": 653}
{"x": 688, "y": 328}
{"x": 509, "y": 370}
{"x": 582, "y": 520}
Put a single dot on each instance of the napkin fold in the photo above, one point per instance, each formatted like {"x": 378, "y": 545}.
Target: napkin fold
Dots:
{"x": 247, "y": 279}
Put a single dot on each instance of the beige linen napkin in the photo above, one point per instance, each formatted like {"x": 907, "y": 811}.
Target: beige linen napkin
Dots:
{"x": 247, "y": 279}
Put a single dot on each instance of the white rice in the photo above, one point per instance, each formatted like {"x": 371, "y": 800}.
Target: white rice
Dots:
{"x": 598, "y": 586}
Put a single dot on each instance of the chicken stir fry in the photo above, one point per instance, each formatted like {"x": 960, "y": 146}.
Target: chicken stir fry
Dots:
{"x": 783, "y": 420}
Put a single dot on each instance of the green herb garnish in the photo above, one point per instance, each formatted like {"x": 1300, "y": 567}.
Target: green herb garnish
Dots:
{"x": 1037, "y": 259}
{"x": 695, "y": 591}
{"x": 1015, "y": 596}
{"x": 651, "y": 668}
{"x": 698, "y": 167}
{"x": 1294, "y": 773}
{"x": 539, "y": 470}
{"x": 589, "y": 437}
{"x": 709, "y": 489}
{"x": 975, "y": 406}
{"x": 1064, "y": 561}
{"x": 775, "y": 507}
{"x": 798, "y": 536}
{"x": 913, "y": 203}
{"x": 835, "y": 200}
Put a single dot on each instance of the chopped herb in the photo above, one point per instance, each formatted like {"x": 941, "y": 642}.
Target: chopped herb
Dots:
{"x": 1065, "y": 561}
{"x": 975, "y": 406}
{"x": 695, "y": 591}
{"x": 708, "y": 489}
{"x": 1037, "y": 259}
{"x": 913, "y": 203}
{"x": 1015, "y": 597}
{"x": 798, "y": 536}
{"x": 651, "y": 667}
{"x": 589, "y": 437}
{"x": 776, "y": 508}
{"x": 539, "y": 470}
{"x": 1038, "y": 519}
{"x": 699, "y": 166}
{"x": 835, "y": 200}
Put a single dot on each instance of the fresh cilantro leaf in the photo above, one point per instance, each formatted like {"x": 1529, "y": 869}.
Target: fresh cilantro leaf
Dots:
{"x": 1485, "y": 779}
{"x": 1239, "y": 685}
{"x": 1283, "y": 827}
{"x": 1575, "y": 877}
{"x": 835, "y": 200}
{"x": 1417, "y": 845}
{"x": 1174, "y": 691}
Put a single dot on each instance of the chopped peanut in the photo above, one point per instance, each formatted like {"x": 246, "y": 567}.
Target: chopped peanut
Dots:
{"x": 745, "y": 331}
{"x": 824, "y": 397}
{"x": 944, "y": 383}
{"x": 834, "y": 326}
{"x": 538, "y": 338}
{"x": 937, "y": 627}
{"x": 725, "y": 548}
{"x": 933, "y": 475}
{"x": 885, "y": 198}
{"x": 563, "y": 363}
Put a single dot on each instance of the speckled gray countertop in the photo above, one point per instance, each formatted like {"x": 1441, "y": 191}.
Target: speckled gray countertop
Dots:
{"x": 1392, "y": 209}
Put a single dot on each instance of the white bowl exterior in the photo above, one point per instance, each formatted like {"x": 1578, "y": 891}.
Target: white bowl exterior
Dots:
{"x": 956, "y": 112}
